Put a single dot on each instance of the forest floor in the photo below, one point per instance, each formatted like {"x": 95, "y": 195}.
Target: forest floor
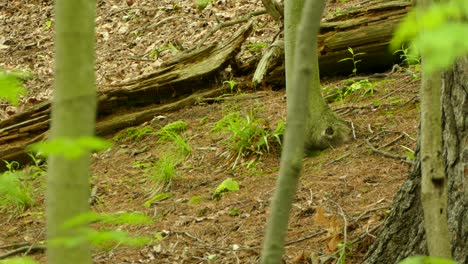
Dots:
{"x": 351, "y": 185}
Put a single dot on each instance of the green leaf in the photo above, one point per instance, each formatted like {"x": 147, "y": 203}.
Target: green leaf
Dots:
{"x": 94, "y": 143}
{"x": 202, "y": 4}
{"x": 11, "y": 88}
{"x": 70, "y": 148}
{"x": 437, "y": 32}
{"x": 118, "y": 218}
{"x": 158, "y": 197}
{"x": 195, "y": 200}
{"x": 346, "y": 59}
{"x": 426, "y": 260}
{"x": 228, "y": 185}
{"x": 21, "y": 260}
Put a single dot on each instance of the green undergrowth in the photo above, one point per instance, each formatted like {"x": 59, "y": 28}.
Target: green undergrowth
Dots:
{"x": 248, "y": 134}
{"x": 134, "y": 133}
{"x": 162, "y": 171}
{"x": 19, "y": 186}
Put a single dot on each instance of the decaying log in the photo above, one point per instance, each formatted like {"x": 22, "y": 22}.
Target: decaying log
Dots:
{"x": 367, "y": 27}
{"x": 171, "y": 86}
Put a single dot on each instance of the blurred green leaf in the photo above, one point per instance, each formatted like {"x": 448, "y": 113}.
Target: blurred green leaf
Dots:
{"x": 11, "y": 88}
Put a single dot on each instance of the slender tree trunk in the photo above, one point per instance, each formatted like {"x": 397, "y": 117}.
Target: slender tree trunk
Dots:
{"x": 433, "y": 177}
{"x": 403, "y": 234}
{"x": 293, "y": 152}
{"x": 73, "y": 116}
{"x": 324, "y": 128}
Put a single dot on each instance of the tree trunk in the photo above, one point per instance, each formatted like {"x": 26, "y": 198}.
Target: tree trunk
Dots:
{"x": 73, "y": 117}
{"x": 403, "y": 233}
{"x": 295, "y": 135}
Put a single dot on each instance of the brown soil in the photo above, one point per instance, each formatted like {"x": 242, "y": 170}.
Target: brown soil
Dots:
{"x": 348, "y": 184}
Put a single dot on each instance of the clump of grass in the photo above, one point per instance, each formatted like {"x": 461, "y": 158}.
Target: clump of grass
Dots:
{"x": 14, "y": 194}
{"x": 164, "y": 170}
{"x": 174, "y": 127}
{"x": 172, "y": 133}
{"x": 134, "y": 133}
{"x": 248, "y": 134}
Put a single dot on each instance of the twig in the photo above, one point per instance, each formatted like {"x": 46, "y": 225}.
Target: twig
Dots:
{"x": 159, "y": 23}
{"x": 338, "y": 159}
{"x": 228, "y": 24}
{"x": 396, "y": 90}
{"x": 23, "y": 249}
{"x": 354, "y": 131}
{"x": 306, "y": 237}
{"x": 386, "y": 154}
{"x": 16, "y": 245}
{"x": 367, "y": 233}
{"x": 393, "y": 141}
{"x": 345, "y": 232}
{"x": 229, "y": 98}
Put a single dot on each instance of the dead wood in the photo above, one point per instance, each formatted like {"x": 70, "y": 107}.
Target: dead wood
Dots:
{"x": 179, "y": 83}
{"x": 366, "y": 28}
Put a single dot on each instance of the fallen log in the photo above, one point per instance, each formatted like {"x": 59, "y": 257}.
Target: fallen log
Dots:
{"x": 366, "y": 27}
{"x": 188, "y": 74}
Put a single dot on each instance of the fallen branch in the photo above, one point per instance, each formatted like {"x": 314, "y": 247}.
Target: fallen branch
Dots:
{"x": 386, "y": 154}
{"x": 228, "y": 24}
{"x": 22, "y": 250}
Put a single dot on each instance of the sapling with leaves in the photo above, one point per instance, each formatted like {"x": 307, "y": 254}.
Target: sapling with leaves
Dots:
{"x": 353, "y": 59}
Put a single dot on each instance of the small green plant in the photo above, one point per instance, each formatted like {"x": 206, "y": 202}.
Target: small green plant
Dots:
{"x": 363, "y": 86}
{"x": 203, "y": 120}
{"x": 234, "y": 212}
{"x": 408, "y": 152}
{"x": 14, "y": 194}
{"x": 195, "y": 200}
{"x": 353, "y": 59}
{"x": 155, "y": 53}
{"x": 232, "y": 85}
{"x": 202, "y": 4}
{"x": 246, "y": 133}
{"x": 141, "y": 165}
{"x": 426, "y": 260}
{"x": 174, "y": 127}
{"x": 180, "y": 143}
{"x": 256, "y": 47}
{"x": 157, "y": 198}
{"x": 343, "y": 249}
{"x": 228, "y": 185}
{"x": 409, "y": 58}
{"x": 11, "y": 87}
{"x": 47, "y": 25}
{"x": 171, "y": 132}
{"x": 134, "y": 133}
{"x": 39, "y": 167}
{"x": 164, "y": 170}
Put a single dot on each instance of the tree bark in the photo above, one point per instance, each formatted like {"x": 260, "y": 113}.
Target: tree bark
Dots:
{"x": 295, "y": 134}
{"x": 73, "y": 117}
{"x": 403, "y": 233}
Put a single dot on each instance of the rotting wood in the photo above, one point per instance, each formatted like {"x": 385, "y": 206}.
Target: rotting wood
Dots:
{"x": 366, "y": 27}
